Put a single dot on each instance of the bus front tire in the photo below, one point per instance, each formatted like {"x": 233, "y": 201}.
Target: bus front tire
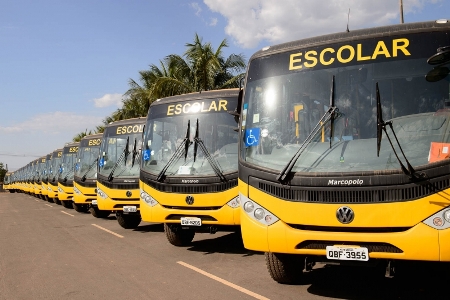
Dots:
{"x": 66, "y": 203}
{"x": 285, "y": 268}
{"x": 57, "y": 201}
{"x": 81, "y": 208}
{"x": 178, "y": 236}
{"x": 128, "y": 221}
{"x": 97, "y": 213}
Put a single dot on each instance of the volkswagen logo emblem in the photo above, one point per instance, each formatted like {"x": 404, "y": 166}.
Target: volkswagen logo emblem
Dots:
{"x": 345, "y": 214}
{"x": 128, "y": 194}
{"x": 189, "y": 200}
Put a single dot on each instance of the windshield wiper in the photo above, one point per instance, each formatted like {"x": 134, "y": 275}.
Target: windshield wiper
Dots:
{"x": 122, "y": 157}
{"x": 83, "y": 178}
{"x": 178, "y": 152}
{"x": 134, "y": 153}
{"x": 214, "y": 164}
{"x": 381, "y": 126}
{"x": 329, "y": 115}
{"x": 70, "y": 172}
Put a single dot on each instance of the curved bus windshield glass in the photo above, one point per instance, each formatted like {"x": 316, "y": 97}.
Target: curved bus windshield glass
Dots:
{"x": 165, "y": 133}
{"x": 55, "y": 163}
{"x": 86, "y": 160}
{"x": 68, "y": 165}
{"x": 283, "y": 103}
{"x": 112, "y": 151}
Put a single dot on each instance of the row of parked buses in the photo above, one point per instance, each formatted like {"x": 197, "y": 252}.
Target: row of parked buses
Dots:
{"x": 317, "y": 179}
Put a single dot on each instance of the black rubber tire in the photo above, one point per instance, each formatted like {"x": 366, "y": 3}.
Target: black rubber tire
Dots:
{"x": 57, "y": 201}
{"x": 285, "y": 268}
{"x": 12, "y": 191}
{"x": 67, "y": 203}
{"x": 179, "y": 237}
{"x": 128, "y": 221}
{"x": 81, "y": 208}
{"x": 97, "y": 213}
{"x": 50, "y": 199}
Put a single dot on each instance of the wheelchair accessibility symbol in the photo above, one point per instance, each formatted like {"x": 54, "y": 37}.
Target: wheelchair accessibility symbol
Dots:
{"x": 251, "y": 137}
{"x": 146, "y": 155}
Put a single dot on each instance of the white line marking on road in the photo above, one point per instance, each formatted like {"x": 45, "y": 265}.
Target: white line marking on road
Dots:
{"x": 37, "y": 200}
{"x": 234, "y": 286}
{"x": 48, "y": 205}
{"x": 67, "y": 213}
{"x": 109, "y": 231}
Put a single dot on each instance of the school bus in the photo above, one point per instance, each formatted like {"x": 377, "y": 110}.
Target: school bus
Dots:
{"x": 53, "y": 172}
{"x": 35, "y": 182}
{"x": 65, "y": 176}
{"x": 40, "y": 171}
{"x": 344, "y": 149}
{"x": 118, "y": 172}
{"x": 85, "y": 176}
{"x": 7, "y": 184}
{"x": 45, "y": 175}
{"x": 189, "y": 165}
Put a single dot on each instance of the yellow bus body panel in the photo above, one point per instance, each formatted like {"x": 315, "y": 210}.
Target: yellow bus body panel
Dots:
{"x": 419, "y": 242}
{"x": 44, "y": 189}
{"x": 67, "y": 193}
{"x": 225, "y": 215}
{"x": 53, "y": 192}
{"x": 87, "y": 194}
{"x": 117, "y": 198}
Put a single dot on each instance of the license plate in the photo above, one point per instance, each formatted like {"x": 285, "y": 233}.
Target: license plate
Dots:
{"x": 348, "y": 253}
{"x": 190, "y": 221}
{"x": 94, "y": 202}
{"x": 128, "y": 209}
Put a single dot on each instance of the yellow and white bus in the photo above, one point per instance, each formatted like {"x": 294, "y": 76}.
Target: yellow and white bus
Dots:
{"x": 65, "y": 177}
{"x": 53, "y": 172}
{"x": 118, "y": 172}
{"x": 189, "y": 165}
{"x": 7, "y": 184}
{"x": 40, "y": 170}
{"x": 85, "y": 176}
{"x": 44, "y": 176}
{"x": 344, "y": 149}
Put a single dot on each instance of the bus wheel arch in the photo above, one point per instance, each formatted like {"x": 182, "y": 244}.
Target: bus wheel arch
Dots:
{"x": 285, "y": 268}
{"x": 178, "y": 236}
{"x": 130, "y": 221}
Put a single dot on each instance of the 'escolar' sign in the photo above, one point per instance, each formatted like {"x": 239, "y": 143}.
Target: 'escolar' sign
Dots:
{"x": 129, "y": 129}
{"x": 348, "y": 53}
{"x": 197, "y": 107}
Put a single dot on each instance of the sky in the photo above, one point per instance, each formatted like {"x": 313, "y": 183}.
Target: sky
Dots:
{"x": 65, "y": 65}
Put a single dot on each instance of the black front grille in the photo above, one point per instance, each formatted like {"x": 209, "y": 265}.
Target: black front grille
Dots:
{"x": 350, "y": 229}
{"x": 193, "y": 207}
{"x": 178, "y": 217}
{"x": 87, "y": 184}
{"x": 363, "y": 194}
{"x": 193, "y": 188}
{"x": 371, "y": 246}
{"x": 120, "y": 186}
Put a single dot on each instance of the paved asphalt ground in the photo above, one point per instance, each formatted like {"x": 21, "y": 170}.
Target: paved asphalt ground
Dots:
{"x": 50, "y": 252}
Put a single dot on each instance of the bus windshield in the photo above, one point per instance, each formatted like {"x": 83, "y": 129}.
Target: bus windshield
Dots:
{"x": 55, "y": 164}
{"x": 68, "y": 164}
{"x": 87, "y": 157}
{"x": 282, "y": 105}
{"x": 115, "y": 156}
{"x": 166, "y": 133}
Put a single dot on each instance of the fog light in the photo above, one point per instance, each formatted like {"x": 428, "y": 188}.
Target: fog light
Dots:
{"x": 437, "y": 221}
{"x": 268, "y": 218}
{"x": 259, "y": 213}
{"x": 447, "y": 215}
{"x": 248, "y": 206}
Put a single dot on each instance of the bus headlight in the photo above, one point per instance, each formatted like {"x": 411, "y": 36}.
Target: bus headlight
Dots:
{"x": 101, "y": 193}
{"x": 234, "y": 203}
{"x": 60, "y": 190}
{"x": 148, "y": 199}
{"x": 447, "y": 215}
{"x": 439, "y": 220}
{"x": 76, "y": 191}
{"x": 50, "y": 189}
{"x": 257, "y": 212}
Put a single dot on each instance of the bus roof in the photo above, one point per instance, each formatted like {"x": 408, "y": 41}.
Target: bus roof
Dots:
{"x": 354, "y": 35}
{"x": 198, "y": 95}
{"x": 128, "y": 121}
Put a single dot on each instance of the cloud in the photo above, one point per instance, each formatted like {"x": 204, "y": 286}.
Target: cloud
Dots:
{"x": 54, "y": 123}
{"x": 213, "y": 22}
{"x": 108, "y": 100}
{"x": 196, "y": 7}
{"x": 251, "y": 22}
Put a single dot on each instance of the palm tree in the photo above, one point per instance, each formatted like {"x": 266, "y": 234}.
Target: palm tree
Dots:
{"x": 81, "y": 135}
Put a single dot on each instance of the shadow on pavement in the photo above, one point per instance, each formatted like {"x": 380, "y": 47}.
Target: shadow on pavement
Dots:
{"x": 229, "y": 243}
{"x": 415, "y": 280}
{"x": 150, "y": 228}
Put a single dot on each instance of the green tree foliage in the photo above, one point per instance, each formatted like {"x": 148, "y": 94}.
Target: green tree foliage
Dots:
{"x": 200, "y": 68}
{"x": 2, "y": 172}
